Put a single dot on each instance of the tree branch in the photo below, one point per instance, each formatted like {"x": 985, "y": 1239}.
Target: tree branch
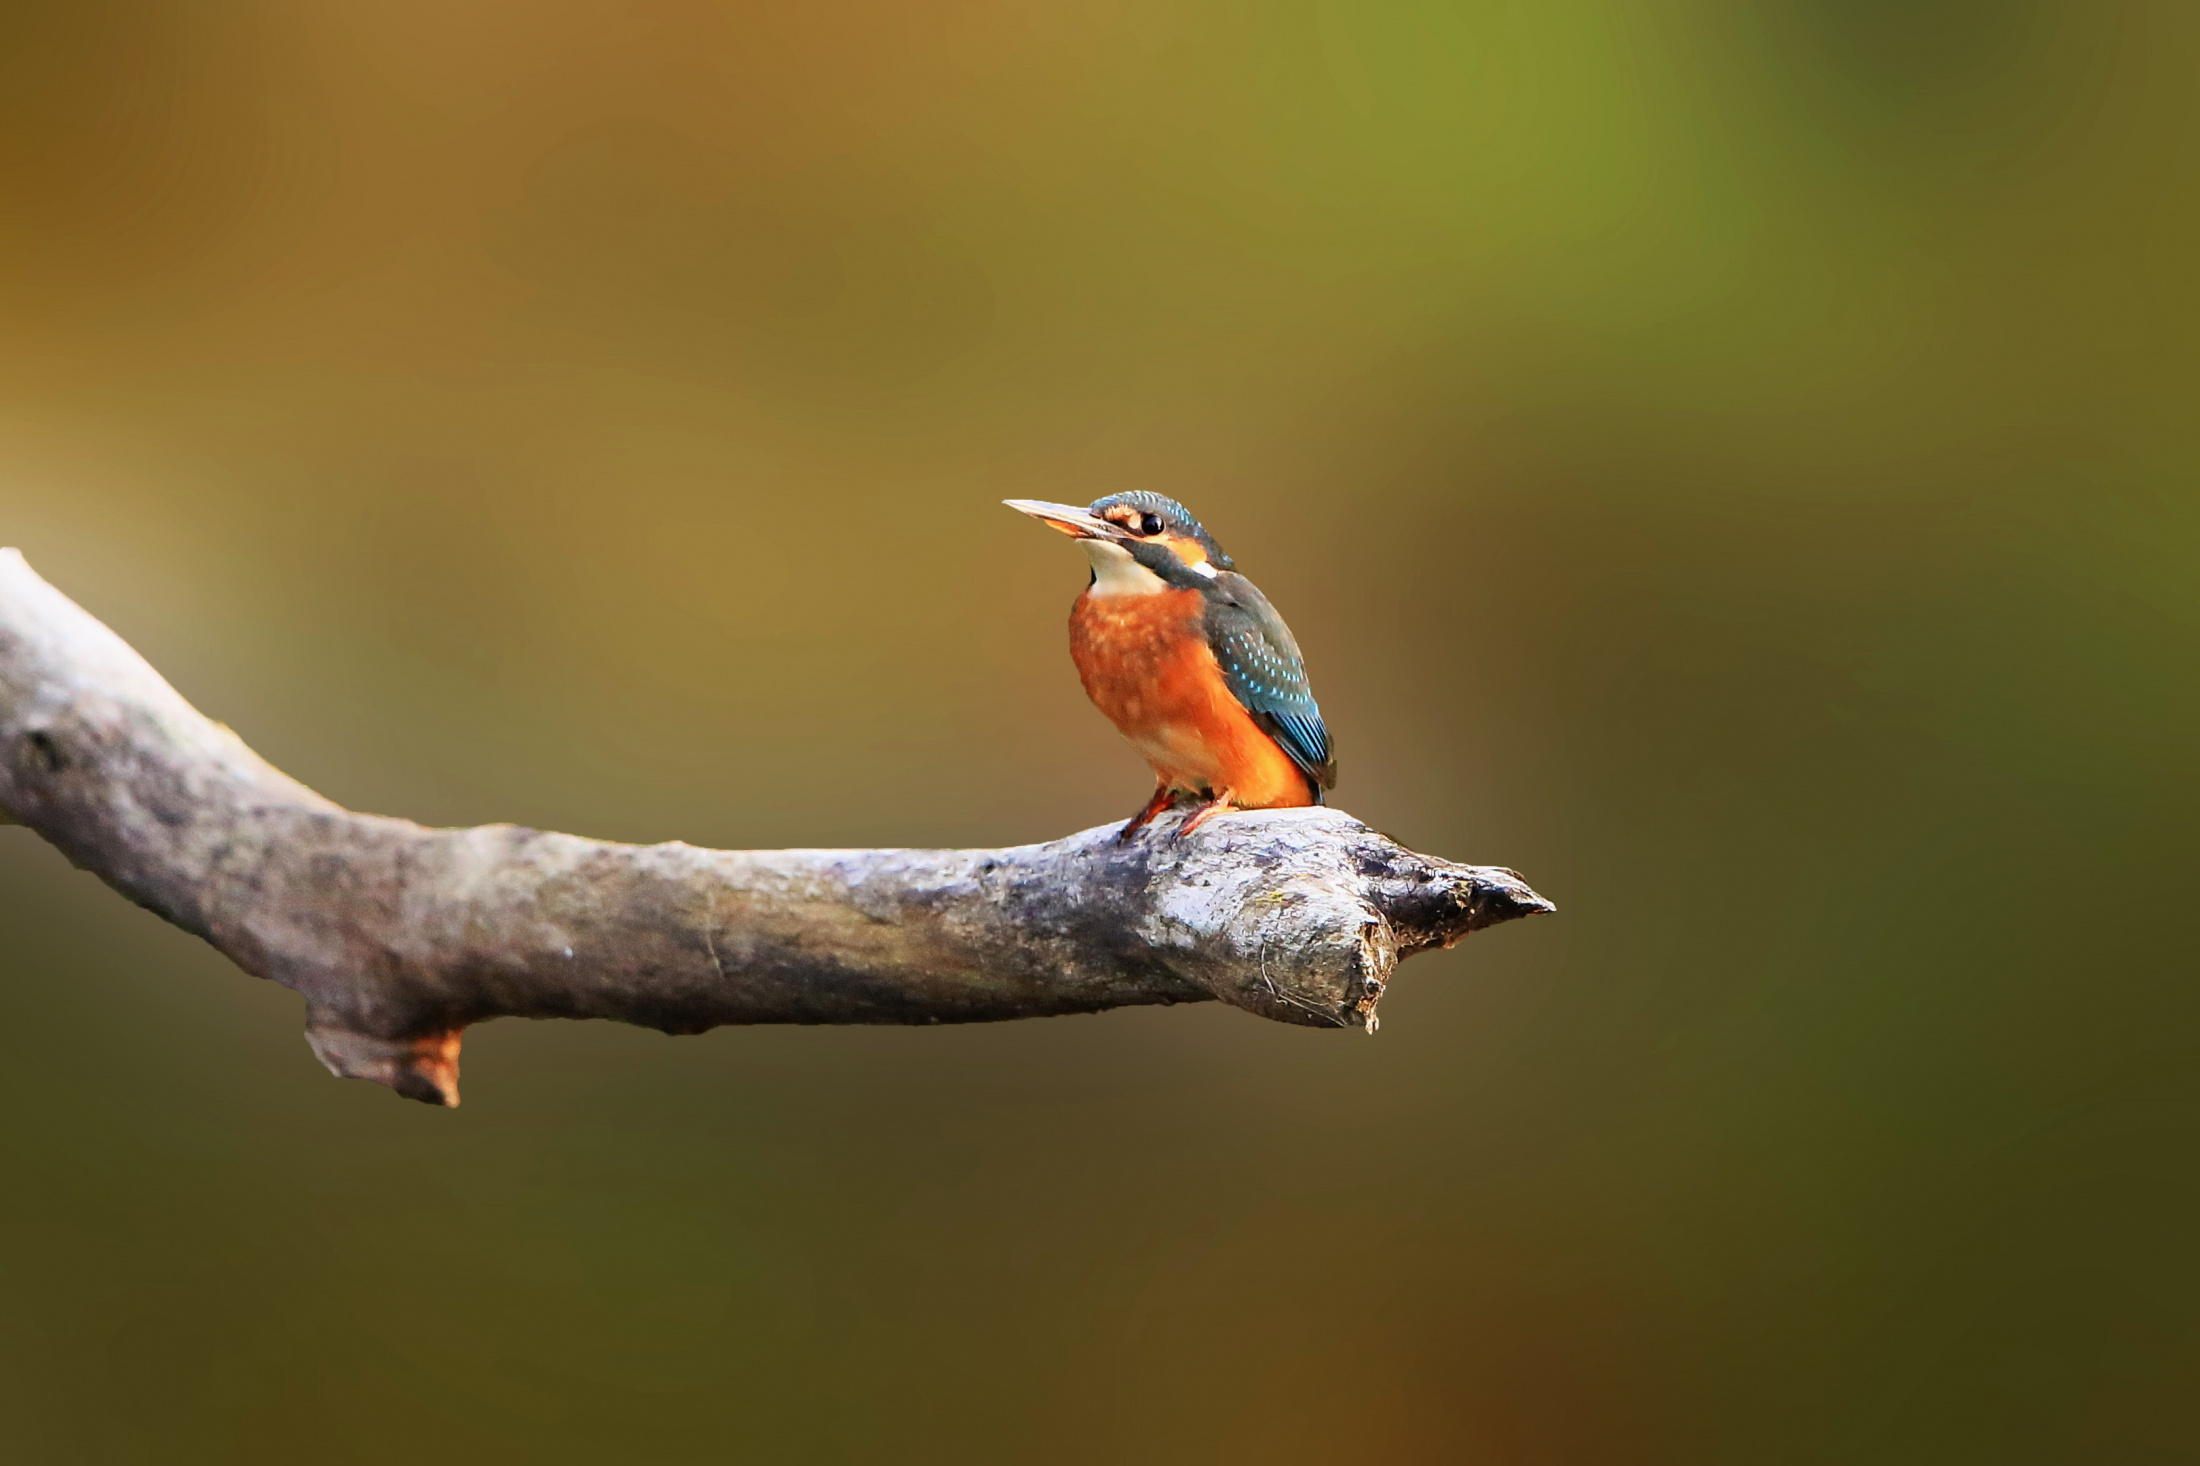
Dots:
{"x": 399, "y": 936}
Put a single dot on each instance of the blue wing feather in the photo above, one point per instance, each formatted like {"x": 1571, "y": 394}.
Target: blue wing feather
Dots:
{"x": 1261, "y": 664}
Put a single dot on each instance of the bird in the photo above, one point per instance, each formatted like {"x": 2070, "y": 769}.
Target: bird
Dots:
{"x": 1187, "y": 658}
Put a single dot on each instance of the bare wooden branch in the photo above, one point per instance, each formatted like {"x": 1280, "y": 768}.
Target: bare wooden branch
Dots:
{"x": 398, "y": 936}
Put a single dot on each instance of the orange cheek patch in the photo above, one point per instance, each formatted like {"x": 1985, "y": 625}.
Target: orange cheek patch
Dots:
{"x": 1190, "y": 551}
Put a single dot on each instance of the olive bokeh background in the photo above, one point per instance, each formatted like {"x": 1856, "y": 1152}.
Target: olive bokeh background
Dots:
{"x": 1733, "y": 462}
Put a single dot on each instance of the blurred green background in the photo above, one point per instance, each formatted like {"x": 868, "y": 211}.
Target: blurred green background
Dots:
{"x": 1733, "y": 462}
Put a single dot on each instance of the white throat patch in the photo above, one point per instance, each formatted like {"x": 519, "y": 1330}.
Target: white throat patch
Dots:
{"x": 1115, "y": 573}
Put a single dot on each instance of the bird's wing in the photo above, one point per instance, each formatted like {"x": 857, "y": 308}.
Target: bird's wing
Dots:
{"x": 1261, "y": 663}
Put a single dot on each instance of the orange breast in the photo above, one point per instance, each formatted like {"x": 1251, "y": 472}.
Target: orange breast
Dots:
{"x": 1145, "y": 662}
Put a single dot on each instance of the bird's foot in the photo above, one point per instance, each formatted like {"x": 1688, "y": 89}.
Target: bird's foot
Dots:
{"x": 1163, "y": 797}
{"x": 1223, "y": 801}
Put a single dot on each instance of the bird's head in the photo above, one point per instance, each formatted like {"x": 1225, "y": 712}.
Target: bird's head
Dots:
{"x": 1138, "y": 542}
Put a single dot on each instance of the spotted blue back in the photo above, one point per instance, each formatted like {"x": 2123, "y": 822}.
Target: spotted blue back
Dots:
{"x": 1261, "y": 664}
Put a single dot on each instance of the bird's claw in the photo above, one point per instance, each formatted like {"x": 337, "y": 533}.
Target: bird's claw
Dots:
{"x": 1220, "y": 804}
{"x": 1162, "y": 799}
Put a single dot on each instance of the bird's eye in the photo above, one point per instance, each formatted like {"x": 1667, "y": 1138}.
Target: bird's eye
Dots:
{"x": 1149, "y": 524}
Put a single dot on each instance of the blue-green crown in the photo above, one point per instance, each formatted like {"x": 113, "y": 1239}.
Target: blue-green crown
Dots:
{"x": 1174, "y": 517}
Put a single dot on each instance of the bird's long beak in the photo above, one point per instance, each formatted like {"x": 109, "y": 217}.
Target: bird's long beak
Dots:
{"x": 1067, "y": 518}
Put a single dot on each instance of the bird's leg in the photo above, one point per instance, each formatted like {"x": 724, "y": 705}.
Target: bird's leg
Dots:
{"x": 1223, "y": 800}
{"x": 1163, "y": 797}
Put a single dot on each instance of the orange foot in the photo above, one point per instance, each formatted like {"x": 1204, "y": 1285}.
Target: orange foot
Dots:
{"x": 1221, "y": 803}
{"x": 1163, "y": 797}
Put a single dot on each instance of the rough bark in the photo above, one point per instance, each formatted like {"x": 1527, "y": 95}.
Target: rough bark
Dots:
{"x": 398, "y": 936}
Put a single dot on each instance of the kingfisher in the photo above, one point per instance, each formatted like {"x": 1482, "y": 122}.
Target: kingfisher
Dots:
{"x": 1189, "y": 660}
